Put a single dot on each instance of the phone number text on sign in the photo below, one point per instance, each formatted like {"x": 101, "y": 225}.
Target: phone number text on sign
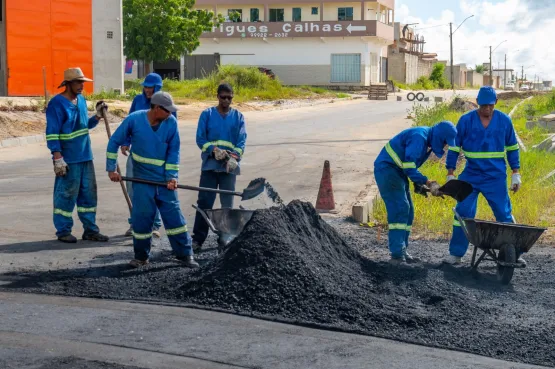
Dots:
{"x": 265, "y": 35}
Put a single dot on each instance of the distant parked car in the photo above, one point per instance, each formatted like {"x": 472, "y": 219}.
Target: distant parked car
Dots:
{"x": 267, "y": 72}
{"x": 510, "y": 86}
{"x": 524, "y": 88}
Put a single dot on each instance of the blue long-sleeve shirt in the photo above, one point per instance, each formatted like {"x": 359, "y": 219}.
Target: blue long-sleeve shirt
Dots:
{"x": 155, "y": 153}
{"x": 407, "y": 152}
{"x": 485, "y": 149}
{"x": 227, "y": 132}
{"x": 67, "y": 129}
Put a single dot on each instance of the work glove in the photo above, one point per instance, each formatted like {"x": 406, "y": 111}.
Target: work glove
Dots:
{"x": 231, "y": 164}
{"x": 100, "y": 107}
{"x": 220, "y": 154}
{"x": 421, "y": 190}
{"x": 516, "y": 182}
{"x": 60, "y": 167}
{"x": 434, "y": 189}
{"x": 450, "y": 177}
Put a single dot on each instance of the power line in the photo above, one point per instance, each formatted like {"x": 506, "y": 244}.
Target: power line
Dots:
{"x": 441, "y": 25}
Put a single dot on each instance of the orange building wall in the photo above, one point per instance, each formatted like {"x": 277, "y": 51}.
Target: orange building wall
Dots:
{"x": 56, "y": 34}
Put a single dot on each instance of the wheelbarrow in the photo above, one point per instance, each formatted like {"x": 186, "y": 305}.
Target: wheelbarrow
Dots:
{"x": 227, "y": 223}
{"x": 501, "y": 243}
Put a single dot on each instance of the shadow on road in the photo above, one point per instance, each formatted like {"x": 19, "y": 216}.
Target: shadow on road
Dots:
{"x": 55, "y": 245}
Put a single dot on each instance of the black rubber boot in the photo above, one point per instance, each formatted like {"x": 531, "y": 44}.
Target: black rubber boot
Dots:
{"x": 96, "y": 237}
{"x": 188, "y": 261}
{"x": 68, "y": 238}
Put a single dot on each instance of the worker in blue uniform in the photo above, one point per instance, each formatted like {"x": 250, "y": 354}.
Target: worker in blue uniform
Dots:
{"x": 398, "y": 162}
{"x": 67, "y": 137}
{"x": 152, "y": 84}
{"x": 154, "y": 136}
{"x": 485, "y": 136}
{"x": 221, "y": 137}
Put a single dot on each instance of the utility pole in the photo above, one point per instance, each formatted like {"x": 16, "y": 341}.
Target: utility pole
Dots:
{"x": 490, "y": 69}
{"x": 451, "y": 38}
{"x": 505, "y": 74}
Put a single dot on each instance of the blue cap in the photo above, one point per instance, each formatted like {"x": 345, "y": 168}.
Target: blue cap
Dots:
{"x": 152, "y": 80}
{"x": 487, "y": 96}
{"x": 442, "y": 134}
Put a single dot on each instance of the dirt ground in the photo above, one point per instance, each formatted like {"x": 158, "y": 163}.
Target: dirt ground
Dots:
{"x": 25, "y": 118}
{"x": 289, "y": 265}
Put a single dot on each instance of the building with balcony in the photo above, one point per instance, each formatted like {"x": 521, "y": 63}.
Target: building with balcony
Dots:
{"x": 327, "y": 43}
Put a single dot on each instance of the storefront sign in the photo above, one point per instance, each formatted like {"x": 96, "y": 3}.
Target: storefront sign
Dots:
{"x": 293, "y": 29}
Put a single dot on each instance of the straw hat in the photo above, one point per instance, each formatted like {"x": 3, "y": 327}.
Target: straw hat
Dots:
{"x": 74, "y": 74}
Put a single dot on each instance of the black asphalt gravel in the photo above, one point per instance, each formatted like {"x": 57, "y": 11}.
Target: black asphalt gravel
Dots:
{"x": 61, "y": 363}
{"x": 290, "y": 265}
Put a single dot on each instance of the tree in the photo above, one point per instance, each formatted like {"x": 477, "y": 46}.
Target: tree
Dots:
{"x": 438, "y": 76}
{"x": 162, "y": 30}
{"x": 480, "y": 68}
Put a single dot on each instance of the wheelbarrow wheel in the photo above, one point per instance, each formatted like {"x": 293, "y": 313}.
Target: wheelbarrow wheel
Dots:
{"x": 507, "y": 253}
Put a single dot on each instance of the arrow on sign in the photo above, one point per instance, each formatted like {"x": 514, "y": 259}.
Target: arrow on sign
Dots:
{"x": 352, "y": 28}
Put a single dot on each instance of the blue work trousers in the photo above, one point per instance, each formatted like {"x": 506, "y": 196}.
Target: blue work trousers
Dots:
{"x": 212, "y": 179}
{"x": 146, "y": 200}
{"x": 78, "y": 186}
{"x": 496, "y": 193}
{"x": 129, "y": 172}
{"x": 395, "y": 192}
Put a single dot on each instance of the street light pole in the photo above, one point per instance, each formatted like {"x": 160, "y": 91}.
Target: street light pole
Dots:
{"x": 490, "y": 62}
{"x": 451, "y": 32}
{"x": 505, "y": 74}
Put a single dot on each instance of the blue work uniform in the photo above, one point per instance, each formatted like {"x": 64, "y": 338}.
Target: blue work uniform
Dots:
{"x": 398, "y": 162}
{"x": 226, "y": 131}
{"x": 156, "y": 158}
{"x": 141, "y": 102}
{"x": 485, "y": 150}
{"x": 67, "y": 132}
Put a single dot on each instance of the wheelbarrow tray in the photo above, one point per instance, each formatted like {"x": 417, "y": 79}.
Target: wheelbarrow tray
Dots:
{"x": 493, "y": 235}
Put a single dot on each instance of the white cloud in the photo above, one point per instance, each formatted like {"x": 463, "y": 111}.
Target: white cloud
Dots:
{"x": 523, "y": 23}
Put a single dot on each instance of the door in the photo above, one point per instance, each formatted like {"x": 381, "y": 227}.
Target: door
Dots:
{"x": 345, "y": 68}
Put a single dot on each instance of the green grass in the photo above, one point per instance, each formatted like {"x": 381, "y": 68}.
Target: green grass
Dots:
{"x": 248, "y": 84}
{"x": 533, "y": 204}
{"x": 342, "y": 95}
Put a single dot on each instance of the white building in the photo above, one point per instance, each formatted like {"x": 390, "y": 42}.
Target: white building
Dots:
{"x": 304, "y": 43}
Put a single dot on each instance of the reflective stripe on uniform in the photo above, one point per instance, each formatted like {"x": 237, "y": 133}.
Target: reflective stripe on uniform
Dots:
{"x": 86, "y": 210}
{"x": 112, "y": 155}
{"x": 172, "y": 166}
{"x": 52, "y": 137}
{"x": 140, "y": 159}
{"x": 221, "y": 143}
{"x": 72, "y": 135}
{"x": 511, "y": 148}
{"x": 64, "y": 213}
{"x": 397, "y": 226}
{"x": 409, "y": 228}
{"x": 142, "y": 236}
{"x": 455, "y": 148}
{"x": 397, "y": 160}
{"x": 484, "y": 155}
{"x": 174, "y": 231}
{"x": 456, "y": 223}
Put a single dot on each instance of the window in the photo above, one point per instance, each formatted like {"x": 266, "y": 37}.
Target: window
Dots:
{"x": 345, "y": 68}
{"x": 235, "y": 15}
{"x": 296, "y": 14}
{"x": 110, "y": 34}
{"x": 314, "y": 10}
{"x": 276, "y": 15}
{"x": 255, "y": 15}
{"x": 345, "y": 14}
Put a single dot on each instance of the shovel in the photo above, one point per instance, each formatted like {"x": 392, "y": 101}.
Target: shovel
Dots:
{"x": 459, "y": 190}
{"x": 255, "y": 187}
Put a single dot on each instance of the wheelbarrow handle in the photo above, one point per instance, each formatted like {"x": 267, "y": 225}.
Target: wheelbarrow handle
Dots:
{"x": 205, "y": 216}
{"x": 184, "y": 187}
{"x": 462, "y": 223}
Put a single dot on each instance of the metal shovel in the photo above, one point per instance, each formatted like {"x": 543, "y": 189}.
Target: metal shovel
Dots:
{"x": 255, "y": 187}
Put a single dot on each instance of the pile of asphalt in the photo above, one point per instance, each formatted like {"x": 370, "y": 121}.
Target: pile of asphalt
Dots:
{"x": 290, "y": 265}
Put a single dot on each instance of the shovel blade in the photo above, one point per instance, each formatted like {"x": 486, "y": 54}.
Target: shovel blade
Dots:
{"x": 255, "y": 188}
{"x": 459, "y": 190}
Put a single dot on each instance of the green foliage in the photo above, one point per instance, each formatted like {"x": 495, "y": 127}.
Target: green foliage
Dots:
{"x": 162, "y": 30}
{"x": 480, "y": 68}
{"x": 342, "y": 95}
{"x": 234, "y": 16}
{"x": 438, "y": 76}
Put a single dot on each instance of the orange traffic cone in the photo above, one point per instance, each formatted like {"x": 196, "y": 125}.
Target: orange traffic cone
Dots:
{"x": 325, "y": 201}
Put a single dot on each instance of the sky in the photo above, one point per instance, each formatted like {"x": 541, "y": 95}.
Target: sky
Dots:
{"x": 526, "y": 25}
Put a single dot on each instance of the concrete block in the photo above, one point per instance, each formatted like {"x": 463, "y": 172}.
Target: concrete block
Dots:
{"x": 427, "y": 98}
{"x": 546, "y": 145}
{"x": 549, "y": 118}
{"x": 360, "y": 212}
{"x": 438, "y": 99}
{"x": 399, "y": 98}
{"x": 10, "y": 142}
{"x": 22, "y": 141}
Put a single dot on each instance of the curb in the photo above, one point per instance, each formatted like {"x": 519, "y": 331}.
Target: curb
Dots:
{"x": 29, "y": 140}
